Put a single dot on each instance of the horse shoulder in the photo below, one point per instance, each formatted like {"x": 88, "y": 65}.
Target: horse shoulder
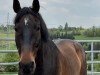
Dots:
{"x": 81, "y": 54}
{"x": 69, "y": 57}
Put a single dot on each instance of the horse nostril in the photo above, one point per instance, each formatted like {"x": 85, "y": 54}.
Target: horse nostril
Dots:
{"x": 27, "y": 67}
{"x": 20, "y": 65}
{"x": 32, "y": 64}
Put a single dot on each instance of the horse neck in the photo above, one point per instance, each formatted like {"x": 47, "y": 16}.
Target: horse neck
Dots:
{"x": 50, "y": 58}
{"x": 39, "y": 62}
{"x": 47, "y": 60}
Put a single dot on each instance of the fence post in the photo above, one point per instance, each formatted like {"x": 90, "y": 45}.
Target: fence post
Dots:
{"x": 92, "y": 58}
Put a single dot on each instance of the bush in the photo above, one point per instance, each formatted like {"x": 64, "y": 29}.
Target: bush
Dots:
{"x": 97, "y": 67}
{"x": 92, "y": 32}
{"x": 70, "y": 36}
{"x": 11, "y": 57}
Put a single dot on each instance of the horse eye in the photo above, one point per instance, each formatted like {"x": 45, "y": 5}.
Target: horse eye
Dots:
{"x": 16, "y": 29}
{"x": 36, "y": 45}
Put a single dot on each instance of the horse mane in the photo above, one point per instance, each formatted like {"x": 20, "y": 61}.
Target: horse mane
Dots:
{"x": 50, "y": 58}
{"x": 44, "y": 31}
{"x": 28, "y": 10}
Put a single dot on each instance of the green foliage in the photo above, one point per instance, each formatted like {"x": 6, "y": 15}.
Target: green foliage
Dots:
{"x": 96, "y": 46}
{"x": 92, "y": 32}
{"x": 66, "y": 27}
{"x": 60, "y": 28}
{"x": 76, "y": 32}
{"x": 68, "y": 36}
{"x": 6, "y": 29}
{"x": 60, "y": 32}
{"x": 97, "y": 67}
{"x": 11, "y": 57}
{"x": 89, "y": 67}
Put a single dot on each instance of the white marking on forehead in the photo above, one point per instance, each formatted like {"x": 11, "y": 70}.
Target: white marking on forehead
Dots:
{"x": 26, "y": 20}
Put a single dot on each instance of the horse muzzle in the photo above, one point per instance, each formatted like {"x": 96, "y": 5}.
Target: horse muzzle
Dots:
{"x": 27, "y": 63}
{"x": 27, "y": 68}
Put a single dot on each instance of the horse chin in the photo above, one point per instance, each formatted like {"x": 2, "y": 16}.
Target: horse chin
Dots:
{"x": 21, "y": 73}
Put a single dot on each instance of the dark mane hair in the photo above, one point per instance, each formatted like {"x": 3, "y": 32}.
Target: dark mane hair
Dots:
{"x": 28, "y": 10}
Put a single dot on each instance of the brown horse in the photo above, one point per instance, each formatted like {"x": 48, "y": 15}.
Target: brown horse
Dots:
{"x": 39, "y": 55}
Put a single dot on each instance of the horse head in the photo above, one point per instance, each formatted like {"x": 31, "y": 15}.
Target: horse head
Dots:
{"x": 30, "y": 31}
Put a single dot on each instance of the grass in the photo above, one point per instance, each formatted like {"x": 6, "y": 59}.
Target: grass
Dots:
{"x": 8, "y": 73}
{"x": 86, "y": 38}
{"x": 2, "y": 35}
{"x": 78, "y": 37}
{"x": 15, "y": 73}
{"x": 1, "y": 57}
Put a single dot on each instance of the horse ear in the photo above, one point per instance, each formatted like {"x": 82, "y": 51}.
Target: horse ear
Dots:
{"x": 35, "y": 6}
{"x": 16, "y": 6}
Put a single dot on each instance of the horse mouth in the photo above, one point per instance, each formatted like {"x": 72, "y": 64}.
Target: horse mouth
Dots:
{"x": 27, "y": 69}
{"x": 26, "y": 72}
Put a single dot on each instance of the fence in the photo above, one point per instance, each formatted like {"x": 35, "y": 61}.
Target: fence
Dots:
{"x": 91, "y": 51}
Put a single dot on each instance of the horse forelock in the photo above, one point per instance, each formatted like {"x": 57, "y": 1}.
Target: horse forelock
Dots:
{"x": 22, "y": 12}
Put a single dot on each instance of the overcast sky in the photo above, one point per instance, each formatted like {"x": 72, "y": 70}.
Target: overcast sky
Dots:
{"x": 77, "y": 13}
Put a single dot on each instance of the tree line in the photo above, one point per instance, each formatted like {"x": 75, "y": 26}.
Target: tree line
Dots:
{"x": 65, "y": 32}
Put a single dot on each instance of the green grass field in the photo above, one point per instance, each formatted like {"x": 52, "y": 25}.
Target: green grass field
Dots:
{"x": 86, "y": 38}
{"x": 2, "y": 35}
{"x": 9, "y": 73}
{"x": 80, "y": 37}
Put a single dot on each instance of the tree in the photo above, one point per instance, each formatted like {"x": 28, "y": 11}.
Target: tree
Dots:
{"x": 93, "y": 30}
{"x": 60, "y": 27}
{"x": 66, "y": 26}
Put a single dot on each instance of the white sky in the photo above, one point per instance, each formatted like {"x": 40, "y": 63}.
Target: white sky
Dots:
{"x": 85, "y": 13}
